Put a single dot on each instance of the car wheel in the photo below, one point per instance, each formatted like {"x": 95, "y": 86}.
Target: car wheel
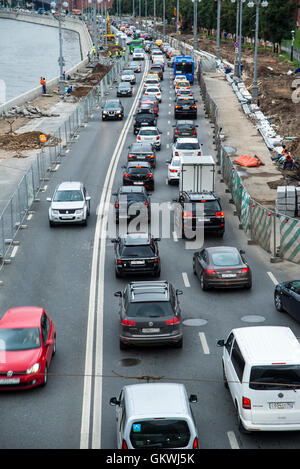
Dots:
{"x": 278, "y": 303}
{"x": 45, "y": 380}
{"x": 194, "y": 268}
{"x": 224, "y": 377}
{"x": 85, "y": 222}
{"x": 249, "y": 285}
{"x": 123, "y": 346}
{"x": 241, "y": 427}
{"x": 54, "y": 346}
{"x": 51, "y": 224}
{"x": 118, "y": 274}
{"x": 203, "y": 283}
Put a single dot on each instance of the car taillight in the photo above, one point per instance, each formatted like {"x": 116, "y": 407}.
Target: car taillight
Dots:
{"x": 124, "y": 445}
{"x": 149, "y": 175}
{"x": 138, "y": 137}
{"x": 130, "y": 156}
{"x": 219, "y": 214}
{"x": 246, "y": 403}
{"x": 151, "y": 156}
{"x": 195, "y": 444}
{"x": 127, "y": 322}
{"x": 194, "y": 107}
{"x": 194, "y": 132}
{"x": 176, "y": 153}
{"x": 157, "y": 138}
{"x": 147, "y": 204}
{"x": 176, "y": 131}
{"x": 199, "y": 153}
{"x": 172, "y": 322}
{"x": 210, "y": 271}
{"x": 126, "y": 175}
{"x": 187, "y": 214}
{"x": 117, "y": 205}
{"x": 245, "y": 270}
{"x": 173, "y": 170}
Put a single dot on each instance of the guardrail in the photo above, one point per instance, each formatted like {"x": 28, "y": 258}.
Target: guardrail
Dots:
{"x": 47, "y": 161}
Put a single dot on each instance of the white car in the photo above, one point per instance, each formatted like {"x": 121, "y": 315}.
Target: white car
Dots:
{"x": 178, "y": 78}
{"x": 186, "y": 147}
{"x": 151, "y": 81}
{"x": 129, "y": 76}
{"x": 138, "y": 54}
{"x": 174, "y": 169}
{"x": 69, "y": 204}
{"x": 183, "y": 92}
{"x": 150, "y": 135}
{"x": 153, "y": 91}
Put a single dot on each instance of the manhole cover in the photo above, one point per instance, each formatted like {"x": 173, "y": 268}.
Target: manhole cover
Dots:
{"x": 253, "y": 318}
{"x": 129, "y": 362}
{"x": 194, "y": 322}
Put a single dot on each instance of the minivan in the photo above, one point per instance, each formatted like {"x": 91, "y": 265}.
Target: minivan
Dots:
{"x": 155, "y": 415}
{"x": 261, "y": 368}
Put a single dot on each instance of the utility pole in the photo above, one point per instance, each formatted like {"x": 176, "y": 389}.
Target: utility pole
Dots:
{"x": 177, "y": 20}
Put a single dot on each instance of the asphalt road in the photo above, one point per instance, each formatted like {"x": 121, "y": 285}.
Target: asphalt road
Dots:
{"x": 69, "y": 270}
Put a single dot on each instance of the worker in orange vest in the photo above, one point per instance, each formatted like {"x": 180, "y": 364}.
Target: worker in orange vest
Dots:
{"x": 42, "y": 139}
{"x": 280, "y": 155}
{"x": 289, "y": 161}
{"x": 43, "y": 83}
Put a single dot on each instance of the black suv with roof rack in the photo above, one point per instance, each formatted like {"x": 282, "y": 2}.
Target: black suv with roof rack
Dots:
{"x": 136, "y": 253}
{"x": 128, "y": 201}
{"x": 150, "y": 314}
{"x": 212, "y": 218}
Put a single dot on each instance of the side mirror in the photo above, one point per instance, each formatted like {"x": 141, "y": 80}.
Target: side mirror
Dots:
{"x": 168, "y": 161}
{"x": 114, "y": 401}
{"x": 221, "y": 343}
{"x": 88, "y": 198}
{"x": 179, "y": 292}
{"x": 114, "y": 193}
{"x": 118, "y": 293}
{"x": 241, "y": 251}
{"x": 157, "y": 239}
{"x": 48, "y": 199}
{"x": 193, "y": 398}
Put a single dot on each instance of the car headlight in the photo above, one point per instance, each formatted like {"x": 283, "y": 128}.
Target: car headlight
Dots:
{"x": 54, "y": 212}
{"x": 79, "y": 212}
{"x": 33, "y": 369}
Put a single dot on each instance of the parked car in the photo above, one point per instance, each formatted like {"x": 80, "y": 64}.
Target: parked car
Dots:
{"x": 28, "y": 344}
{"x": 136, "y": 253}
{"x": 150, "y": 135}
{"x": 124, "y": 89}
{"x": 221, "y": 267}
{"x": 112, "y": 109}
{"x": 150, "y": 314}
{"x": 70, "y": 204}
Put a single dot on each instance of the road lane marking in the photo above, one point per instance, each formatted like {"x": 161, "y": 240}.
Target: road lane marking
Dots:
{"x": 14, "y": 251}
{"x": 204, "y": 343}
{"x": 232, "y": 440}
{"x": 272, "y": 277}
{"x": 186, "y": 280}
{"x": 96, "y": 306}
{"x": 175, "y": 238}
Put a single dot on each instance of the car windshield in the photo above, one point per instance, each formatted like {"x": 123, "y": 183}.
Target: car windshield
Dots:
{"x": 19, "y": 339}
{"x": 184, "y": 127}
{"x": 127, "y": 72}
{"x": 113, "y": 104}
{"x": 151, "y": 309}
{"x": 176, "y": 163}
{"x": 160, "y": 433}
{"x": 184, "y": 102}
{"x": 148, "y": 132}
{"x": 137, "y": 251}
{"x": 152, "y": 90}
{"x": 187, "y": 146}
{"x": 124, "y": 85}
{"x": 68, "y": 196}
{"x": 138, "y": 170}
{"x": 274, "y": 377}
{"x": 132, "y": 198}
{"x": 225, "y": 259}
{"x": 143, "y": 148}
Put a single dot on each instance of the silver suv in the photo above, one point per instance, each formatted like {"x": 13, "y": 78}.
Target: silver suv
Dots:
{"x": 155, "y": 415}
{"x": 69, "y": 204}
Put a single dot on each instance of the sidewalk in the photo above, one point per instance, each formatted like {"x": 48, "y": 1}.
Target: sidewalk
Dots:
{"x": 241, "y": 134}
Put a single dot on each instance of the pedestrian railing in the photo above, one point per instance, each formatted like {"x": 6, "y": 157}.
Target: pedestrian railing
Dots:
{"x": 47, "y": 160}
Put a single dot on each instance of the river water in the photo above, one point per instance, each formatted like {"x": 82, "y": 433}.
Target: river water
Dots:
{"x": 29, "y": 51}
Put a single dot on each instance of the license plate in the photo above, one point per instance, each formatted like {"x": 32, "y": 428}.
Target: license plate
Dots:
{"x": 67, "y": 218}
{"x": 137, "y": 262}
{"x": 9, "y": 381}
{"x": 228, "y": 275}
{"x": 281, "y": 405}
{"x": 186, "y": 107}
{"x": 152, "y": 330}
{"x": 138, "y": 183}
{"x": 203, "y": 219}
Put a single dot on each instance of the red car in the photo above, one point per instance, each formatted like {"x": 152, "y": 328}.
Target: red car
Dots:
{"x": 152, "y": 102}
{"x": 27, "y": 345}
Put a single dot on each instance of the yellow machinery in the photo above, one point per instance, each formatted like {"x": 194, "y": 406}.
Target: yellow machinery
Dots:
{"x": 109, "y": 34}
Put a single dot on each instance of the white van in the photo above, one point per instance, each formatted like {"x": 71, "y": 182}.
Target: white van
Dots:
{"x": 261, "y": 367}
{"x": 155, "y": 415}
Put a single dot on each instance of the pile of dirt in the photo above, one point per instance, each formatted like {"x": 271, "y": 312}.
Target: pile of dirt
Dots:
{"x": 24, "y": 141}
{"x": 86, "y": 84}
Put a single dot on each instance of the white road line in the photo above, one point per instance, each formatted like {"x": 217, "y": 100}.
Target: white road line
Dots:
{"x": 14, "y": 251}
{"x": 175, "y": 236}
{"x": 232, "y": 440}
{"x": 29, "y": 216}
{"x": 272, "y": 277}
{"x": 204, "y": 343}
{"x": 96, "y": 305}
{"x": 186, "y": 280}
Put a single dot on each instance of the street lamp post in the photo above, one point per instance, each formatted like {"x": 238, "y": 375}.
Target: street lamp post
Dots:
{"x": 195, "y": 24}
{"x": 61, "y": 83}
{"x": 292, "y": 45}
{"x": 154, "y": 14}
{"x": 177, "y": 20}
{"x": 164, "y": 19}
{"x": 218, "y": 50}
{"x": 264, "y": 4}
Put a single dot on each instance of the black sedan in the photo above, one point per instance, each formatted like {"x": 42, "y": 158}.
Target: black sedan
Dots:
{"x": 143, "y": 118}
{"x": 287, "y": 298}
{"x": 141, "y": 152}
{"x": 221, "y": 266}
{"x": 184, "y": 129}
{"x": 185, "y": 108}
{"x": 136, "y": 253}
{"x": 124, "y": 89}
{"x": 139, "y": 174}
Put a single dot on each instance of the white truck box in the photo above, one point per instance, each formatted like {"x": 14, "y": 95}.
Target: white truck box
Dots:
{"x": 197, "y": 174}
